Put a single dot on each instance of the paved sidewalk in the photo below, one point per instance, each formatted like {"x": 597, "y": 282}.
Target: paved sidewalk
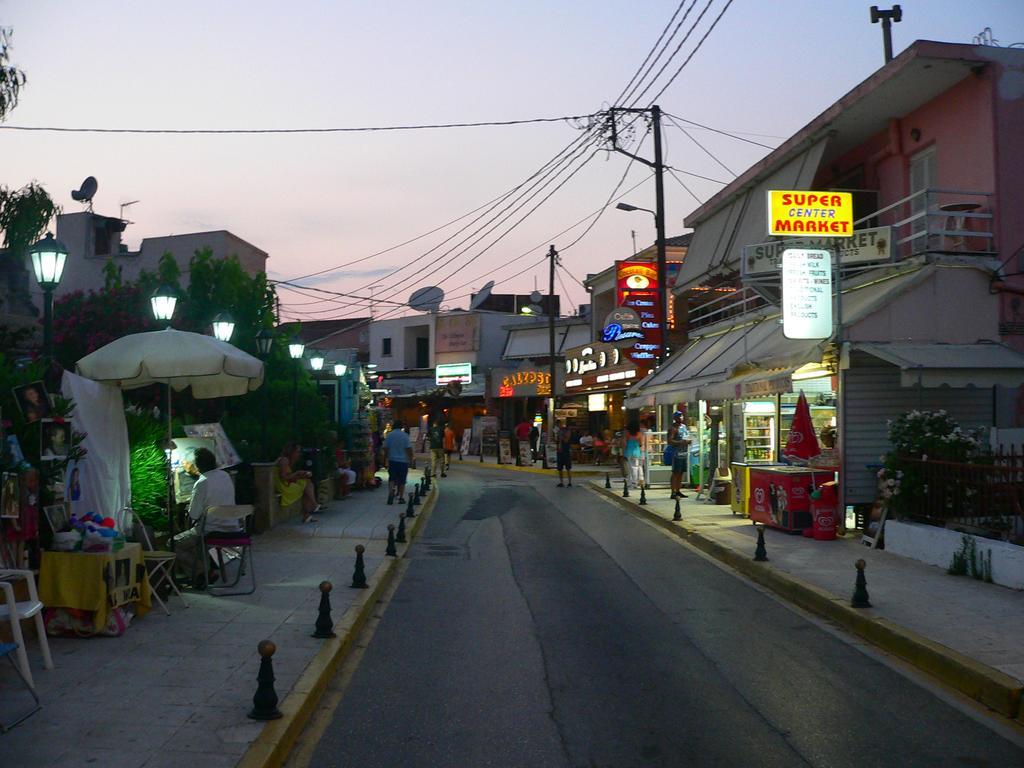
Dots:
{"x": 174, "y": 690}
{"x": 982, "y": 621}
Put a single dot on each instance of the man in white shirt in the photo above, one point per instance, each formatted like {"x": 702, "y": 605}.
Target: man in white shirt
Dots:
{"x": 214, "y": 488}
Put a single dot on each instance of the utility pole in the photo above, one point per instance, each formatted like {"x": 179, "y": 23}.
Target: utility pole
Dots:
{"x": 887, "y": 18}
{"x": 552, "y": 263}
{"x": 659, "y": 207}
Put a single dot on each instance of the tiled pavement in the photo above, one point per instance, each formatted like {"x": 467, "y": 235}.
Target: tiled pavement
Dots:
{"x": 174, "y": 690}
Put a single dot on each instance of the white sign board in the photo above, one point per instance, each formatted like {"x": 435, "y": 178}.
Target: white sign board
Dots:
{"x": 449, "y": 372}
{"x": 864, "y": 246}
{"x": 806, "y": 294}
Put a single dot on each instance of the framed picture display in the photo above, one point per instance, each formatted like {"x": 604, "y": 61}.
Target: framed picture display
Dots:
{"x": 55, "y": 439}
{"x": 33, "y": 401}
{"x": 57, "y": 516}
{"x": 10, "y": 496}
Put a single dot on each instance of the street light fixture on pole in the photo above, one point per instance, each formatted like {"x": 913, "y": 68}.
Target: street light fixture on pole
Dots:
{"x": 264, "y": 344}
{"x": 223, "y": 326}
{"x": 48, "y": 257}
{"x": 163, "y": 302}
{"x": 295, "y": 349}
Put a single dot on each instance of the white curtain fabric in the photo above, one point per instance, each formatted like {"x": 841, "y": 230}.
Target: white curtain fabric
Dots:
{"x": 103, "y": 474}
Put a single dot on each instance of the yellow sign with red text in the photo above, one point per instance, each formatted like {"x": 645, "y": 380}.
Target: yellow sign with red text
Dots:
{"x": 796, "y": 212}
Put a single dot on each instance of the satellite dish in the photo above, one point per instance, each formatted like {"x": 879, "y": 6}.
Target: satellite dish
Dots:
{"x": 86, "y": 192}
{"x": 427, "y": 299}
{"x": 482, "y": 295}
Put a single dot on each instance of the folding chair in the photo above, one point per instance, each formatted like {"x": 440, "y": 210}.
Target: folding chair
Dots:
{"x": 159, "y": 562}
{"x": 240, "y": 542}
{"x": 6, "y": 649}
{"x": 17, "y": 612}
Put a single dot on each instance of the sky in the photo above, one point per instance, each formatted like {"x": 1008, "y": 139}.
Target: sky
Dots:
{"x": 314, "y": 202}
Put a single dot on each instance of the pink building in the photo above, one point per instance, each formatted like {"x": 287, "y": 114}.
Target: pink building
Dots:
{"x": 932, "y": 284}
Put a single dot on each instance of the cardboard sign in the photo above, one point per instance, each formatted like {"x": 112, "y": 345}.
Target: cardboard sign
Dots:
{"x": 124, "y": 579}
{"x": 525, "y": 453}
{"x": 825, "y": 214}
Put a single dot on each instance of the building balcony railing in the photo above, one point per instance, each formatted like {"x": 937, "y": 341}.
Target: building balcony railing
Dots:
{"x": 931, "y": 222}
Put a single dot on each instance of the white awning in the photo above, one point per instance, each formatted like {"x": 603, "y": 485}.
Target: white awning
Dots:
{"x": 951, "y": 365}
{"x": 534, "y": 341}
{"x": 718, "y": 240}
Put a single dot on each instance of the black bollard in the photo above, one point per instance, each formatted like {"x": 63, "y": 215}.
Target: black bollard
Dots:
{"x": 359, "y": 574}
{"x": 400, "y": 537}
{"x": 677, "y": 515}
{"x": 391, "y": 494}
{"x": 264, "y": 702}
{"x": 416, "y": 496}
{"x": 391, "y": 551}
{"x": 643, "y": 497}
{"x": 860, "y": 591}
{"x": 409, "y": 511}
{"x": 760, "y": 553}
{"x": 324, "y": 626}
{"x": 625, "y": 490}
{"x": 607, "y": 480}
{"x": 481, "y": 454}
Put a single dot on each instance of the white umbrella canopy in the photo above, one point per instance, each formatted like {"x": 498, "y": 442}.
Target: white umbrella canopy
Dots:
{"x": 212, "y": 368}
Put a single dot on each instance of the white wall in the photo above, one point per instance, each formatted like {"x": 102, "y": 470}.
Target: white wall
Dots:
{"x": 395, "y": 329}
{"x": 936, "y": 546}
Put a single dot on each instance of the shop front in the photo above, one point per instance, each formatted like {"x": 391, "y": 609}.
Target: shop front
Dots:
{"x": 597, "y": 376}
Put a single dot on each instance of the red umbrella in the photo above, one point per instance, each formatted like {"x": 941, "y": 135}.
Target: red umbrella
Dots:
{"x": 802, "y": 442}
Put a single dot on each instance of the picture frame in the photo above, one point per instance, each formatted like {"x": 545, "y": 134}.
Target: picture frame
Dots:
{"x": 57, "y": 516}
{"x": 33, "y": 401}
{"x": 56, "y": 482}
{"x": 73, "y": 482}
{"x": 10, "y": 496}
{"x": 55, "y": 439}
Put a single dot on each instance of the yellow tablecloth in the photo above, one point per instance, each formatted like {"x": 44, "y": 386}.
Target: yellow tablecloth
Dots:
{"x": 77, "y": 580}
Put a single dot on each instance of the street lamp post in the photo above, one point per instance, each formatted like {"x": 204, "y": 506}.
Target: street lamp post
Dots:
{"x": 163, "y": 302}
{"x": 295, "y": 349}
{"x": 223, "y": 326}
{"x": 264, "y": 344}
{"x": 48, "y": 257}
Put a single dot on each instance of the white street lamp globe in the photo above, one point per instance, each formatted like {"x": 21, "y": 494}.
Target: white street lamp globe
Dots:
{"x": 48, "y": 257}
{"x": 316, "y": 362}
{"x": 223, "y": 326}
{"x": 339, "y": 369}
{"x": 296, "y": 349}
{"x": 162, "y": 301}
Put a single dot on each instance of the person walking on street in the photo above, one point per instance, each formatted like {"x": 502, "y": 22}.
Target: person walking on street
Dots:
{"x": 632, "y": 454}
{"x": 398, "y": 448}
{"x": 449, "y": 448}
{"x": 564, "y": 454}
{"x": 645, "y": 450}
{"x": 679, "y": 438}
{"x": 435, "y": 436}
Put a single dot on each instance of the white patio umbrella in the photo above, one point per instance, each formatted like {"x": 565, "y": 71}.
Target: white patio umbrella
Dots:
{"x": 179, "y": 359}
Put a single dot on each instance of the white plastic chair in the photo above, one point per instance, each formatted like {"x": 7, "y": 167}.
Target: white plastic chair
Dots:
{"x": 16, "y": 612}
{"x": 159, "y": 563}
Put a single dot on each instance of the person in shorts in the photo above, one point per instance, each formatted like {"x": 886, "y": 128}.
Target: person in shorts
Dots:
{"x": 679, "y": 438}
{"x": 449, "y": 448}
{"x": 564, "y": 454}
{"x": 398, "y": 448}
{"x": 435, "y": 436}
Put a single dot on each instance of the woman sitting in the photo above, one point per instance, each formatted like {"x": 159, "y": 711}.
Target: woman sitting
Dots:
{"x": 292, "y": 485}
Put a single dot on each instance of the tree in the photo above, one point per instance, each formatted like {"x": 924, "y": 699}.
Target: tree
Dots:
{"x": 12, "y": 79}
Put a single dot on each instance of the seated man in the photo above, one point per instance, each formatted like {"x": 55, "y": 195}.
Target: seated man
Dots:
{"x": 214, "y": 488}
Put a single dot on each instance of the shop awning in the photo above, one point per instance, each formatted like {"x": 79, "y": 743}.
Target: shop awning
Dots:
{"x": 951, "y": 365}
{"x": 534, "y": 342}
{"x": 719, "y": 238}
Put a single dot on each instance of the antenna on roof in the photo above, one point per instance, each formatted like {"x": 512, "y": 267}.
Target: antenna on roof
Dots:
{"x": 86, "y": 192}
{"x": 126, "y": 205}
{"x": 482, "y": 295}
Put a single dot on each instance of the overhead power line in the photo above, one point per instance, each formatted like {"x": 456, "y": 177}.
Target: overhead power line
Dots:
{"x": 700, "y": 42}
{"x": 731, "y": 134}
{"x": 261, "y": 131}
{"x": 621, "y": 97}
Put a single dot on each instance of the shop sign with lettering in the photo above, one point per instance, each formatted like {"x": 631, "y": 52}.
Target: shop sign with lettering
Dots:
{"x": 806, "y": 294}
{"x": 862, "y": 247}
{"x": 525, "y": 382}
{"x": 636, "y": 284}
{"x": 446, "y": 373}
{"x": 622, "y": 324}
{"x": 778, "y": 385}
{"x": 800, "y": 212}
{"x": 601, "y": 363}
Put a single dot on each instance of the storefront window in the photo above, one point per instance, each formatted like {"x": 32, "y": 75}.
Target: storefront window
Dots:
{"x": 821, "y": 398}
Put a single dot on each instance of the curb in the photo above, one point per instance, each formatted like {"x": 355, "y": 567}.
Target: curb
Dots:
{"x": 274, "y": 743}
{"x": 984, "y": 684}
{"x": 533, "y": 470}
